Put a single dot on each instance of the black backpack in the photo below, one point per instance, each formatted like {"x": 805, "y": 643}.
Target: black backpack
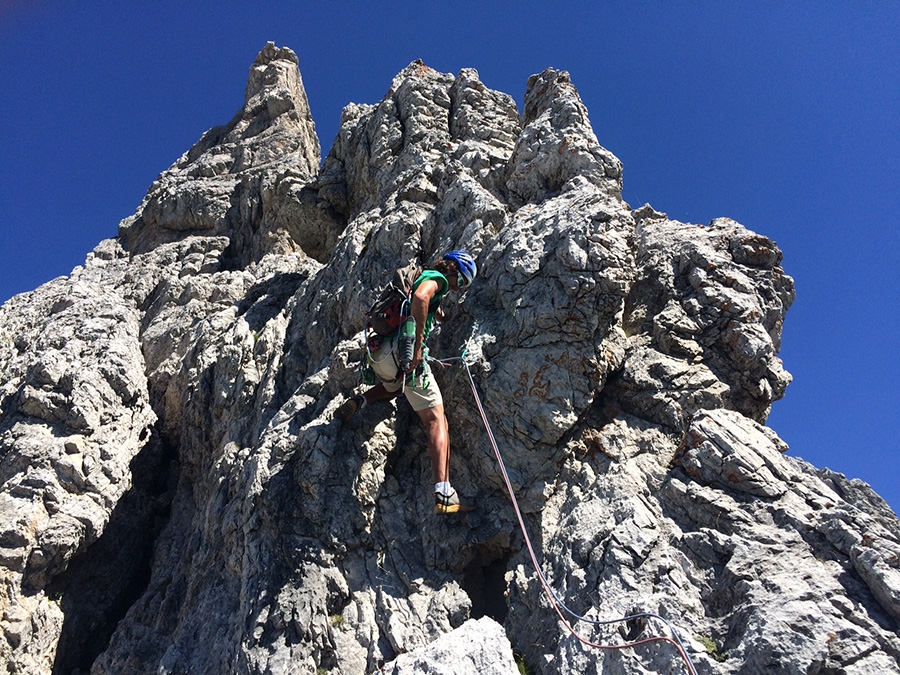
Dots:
{"x": 392, "y": 306}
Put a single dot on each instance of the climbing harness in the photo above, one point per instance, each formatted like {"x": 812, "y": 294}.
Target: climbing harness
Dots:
{"x": 402, "y": 353}
{"x": 390, "y": 318}
{"x": 553, "y": 598}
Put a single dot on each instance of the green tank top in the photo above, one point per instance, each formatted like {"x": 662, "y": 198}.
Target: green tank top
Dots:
{"x": 443, "y": 289}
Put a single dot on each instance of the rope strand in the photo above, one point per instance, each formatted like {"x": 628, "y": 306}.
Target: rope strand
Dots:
{"x": 555, "y": 601}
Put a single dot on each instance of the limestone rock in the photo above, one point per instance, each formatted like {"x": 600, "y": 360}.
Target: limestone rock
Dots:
{"x": 241, "y": 180}
{"x": 557, "y": 144}
{"x": 475, "y": 647}
{"x": 176, "y": 496}
{"x": 76, "y": 416}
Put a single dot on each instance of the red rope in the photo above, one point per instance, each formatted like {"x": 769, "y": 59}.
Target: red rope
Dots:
{"x": 551, "y": 596}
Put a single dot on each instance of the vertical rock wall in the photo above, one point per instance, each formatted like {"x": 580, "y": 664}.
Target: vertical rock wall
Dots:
{"x": 181, "y": 386}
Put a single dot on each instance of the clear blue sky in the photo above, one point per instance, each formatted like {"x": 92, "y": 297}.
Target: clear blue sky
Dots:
{"x": 784, "y": 116}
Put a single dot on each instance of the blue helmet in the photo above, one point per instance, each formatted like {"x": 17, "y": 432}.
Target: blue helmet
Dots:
{"x": 466, "y": 264}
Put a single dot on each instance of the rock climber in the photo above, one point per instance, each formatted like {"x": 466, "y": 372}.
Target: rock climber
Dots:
{"x": 454, "y": 271}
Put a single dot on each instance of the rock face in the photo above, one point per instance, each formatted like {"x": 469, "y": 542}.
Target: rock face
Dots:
{"x": 176, "y": 497}
{"x": 478, "y": 646}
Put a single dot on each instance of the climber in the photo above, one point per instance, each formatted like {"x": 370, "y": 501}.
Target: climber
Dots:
{"x": 454, "y": 271}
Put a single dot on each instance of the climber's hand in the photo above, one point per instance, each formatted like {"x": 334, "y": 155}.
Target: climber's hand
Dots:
{"x": 417, "y": 360}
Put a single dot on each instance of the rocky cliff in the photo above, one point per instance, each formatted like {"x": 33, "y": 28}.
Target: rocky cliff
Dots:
{"x": 177, "y": 497}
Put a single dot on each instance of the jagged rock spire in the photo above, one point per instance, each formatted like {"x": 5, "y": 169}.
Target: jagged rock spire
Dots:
{"x": 224, "y": 185}
{"x": 557, "y": 147}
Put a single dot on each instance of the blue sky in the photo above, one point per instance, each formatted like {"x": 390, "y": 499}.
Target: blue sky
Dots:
{"x": 784, "y": 116}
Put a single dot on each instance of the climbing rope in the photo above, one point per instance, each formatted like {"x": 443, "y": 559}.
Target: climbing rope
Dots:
{"x": 552, "y": 597}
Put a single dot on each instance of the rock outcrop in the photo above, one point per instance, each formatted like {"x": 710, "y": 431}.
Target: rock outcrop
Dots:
{"x": 176, "y": 496}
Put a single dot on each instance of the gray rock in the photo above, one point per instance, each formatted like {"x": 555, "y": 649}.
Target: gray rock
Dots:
{"x": 475, "y": 647}
{"x": 176, "y": 496}
{"x": 244, "y": 180}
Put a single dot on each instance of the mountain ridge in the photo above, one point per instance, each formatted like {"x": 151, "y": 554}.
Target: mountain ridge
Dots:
{"x": 183, "y": 381}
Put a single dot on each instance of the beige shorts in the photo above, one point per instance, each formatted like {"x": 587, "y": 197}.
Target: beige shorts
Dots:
{"x": 385, "y": 367}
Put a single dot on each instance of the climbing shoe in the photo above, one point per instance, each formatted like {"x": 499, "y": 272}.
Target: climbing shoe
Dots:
{"x": 449, "y": 503}
{"x": 350, "y": 407}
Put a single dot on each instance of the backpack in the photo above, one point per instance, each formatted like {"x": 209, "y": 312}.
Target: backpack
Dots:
{"x": 392, "y": 306}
